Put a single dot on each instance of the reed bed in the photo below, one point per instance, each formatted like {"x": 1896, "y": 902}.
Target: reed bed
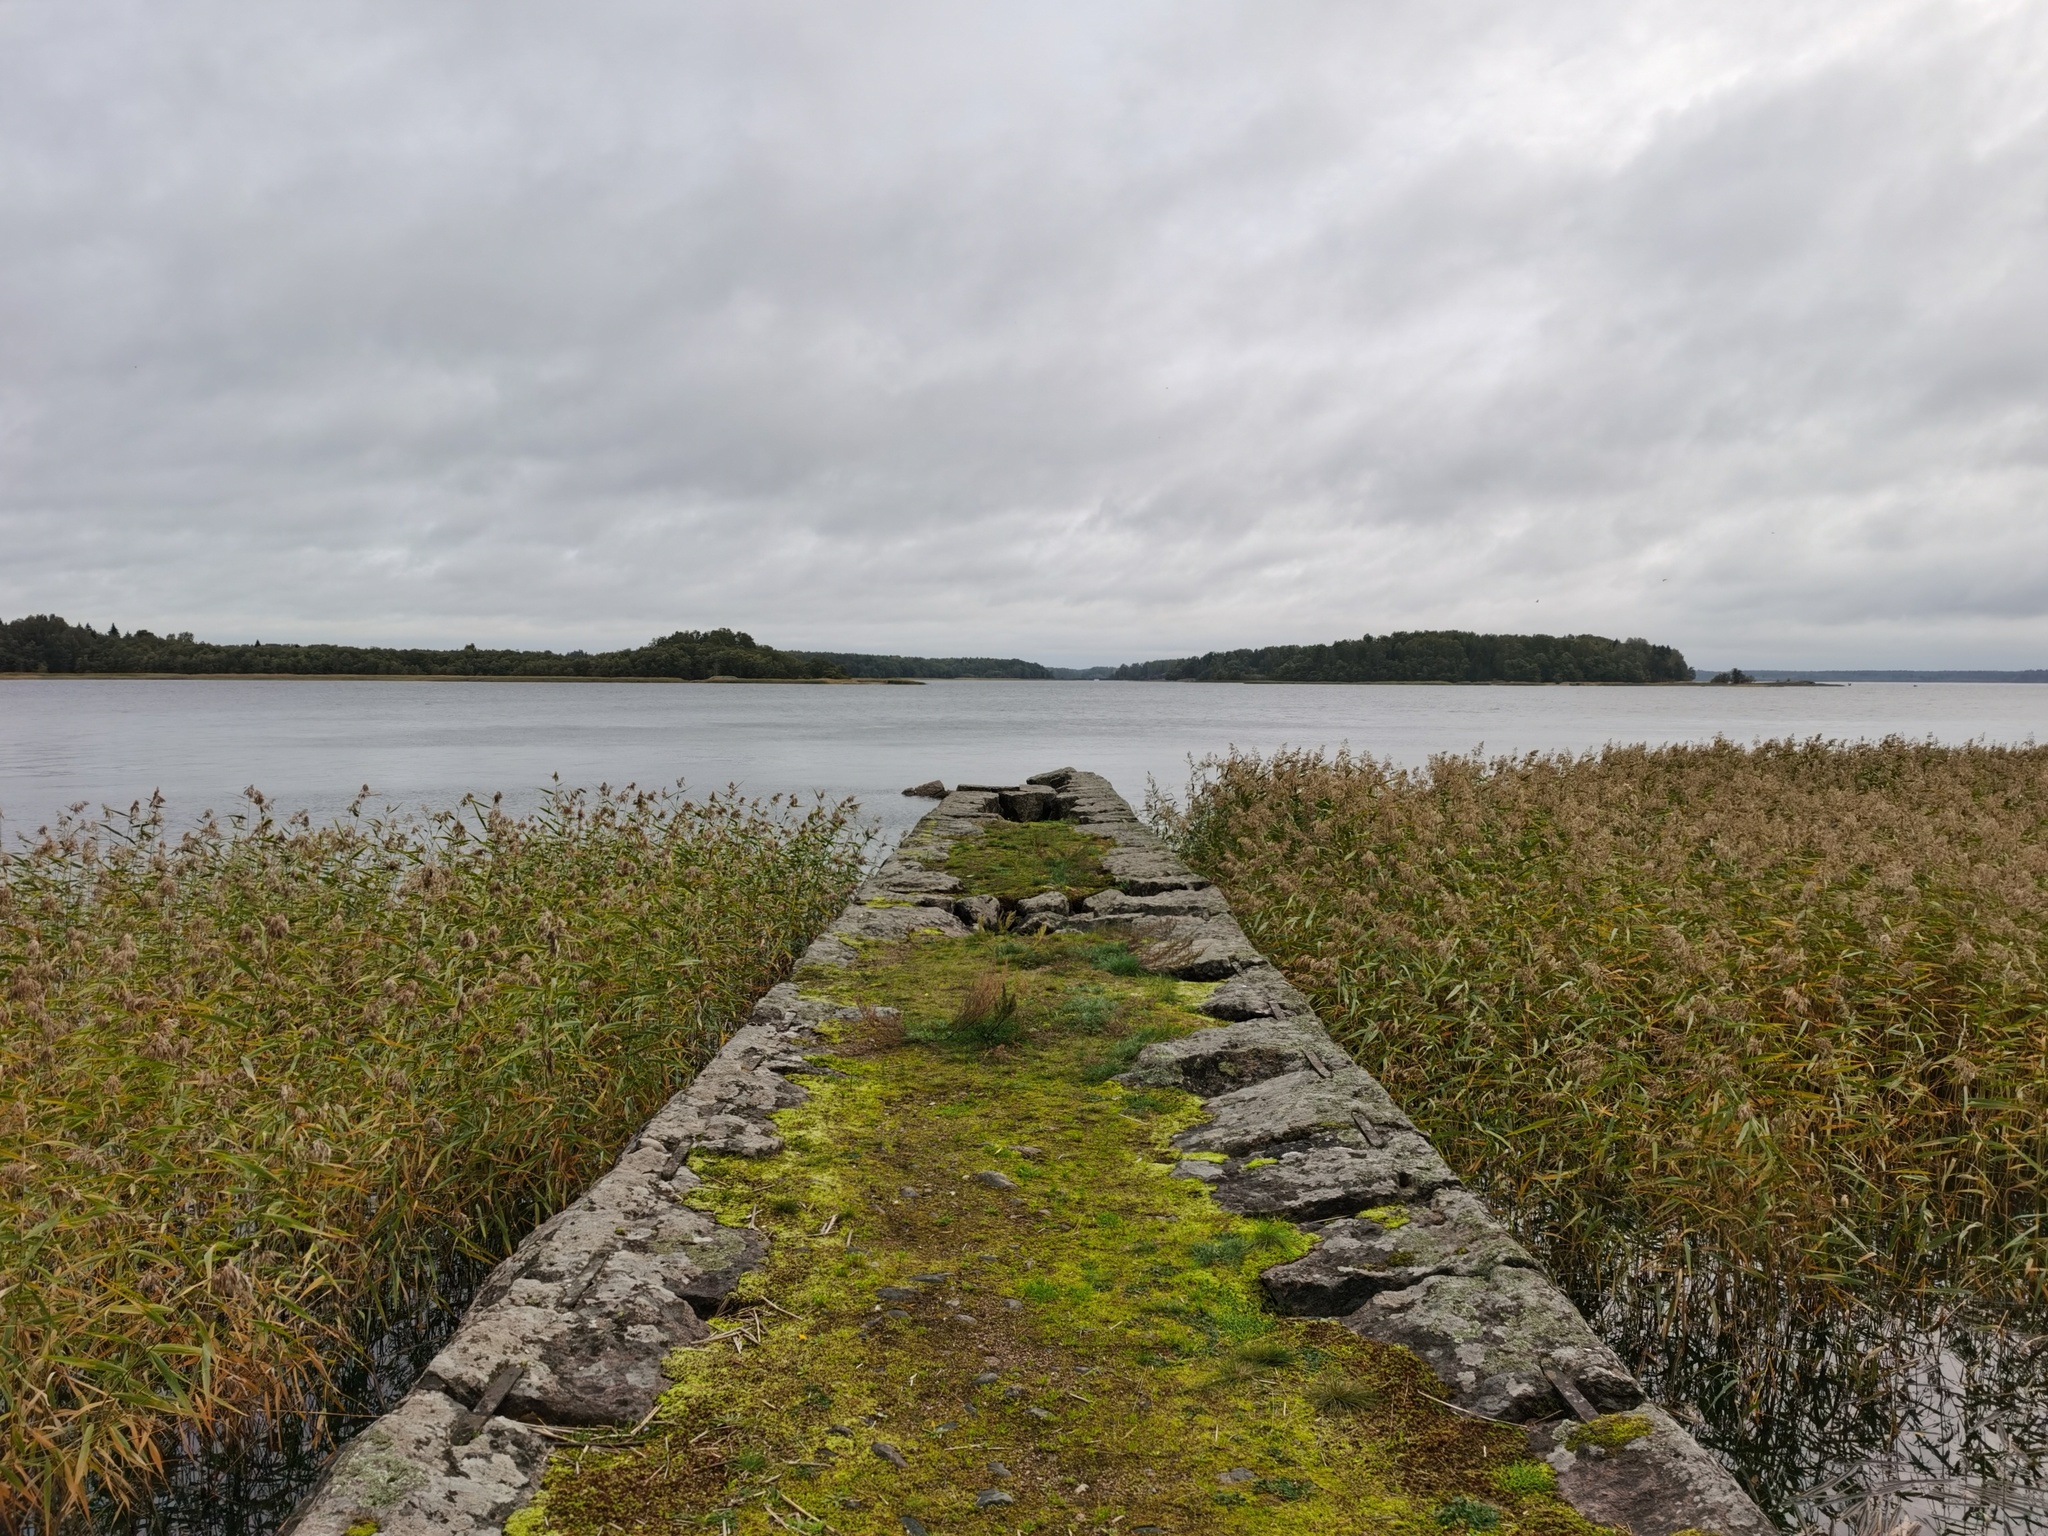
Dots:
{"x": 1713, "y": 1023}
{"x": 262, "y": 1082}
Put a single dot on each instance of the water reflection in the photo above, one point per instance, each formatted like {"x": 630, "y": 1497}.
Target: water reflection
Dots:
{"x": 1844, "y": 1420}
{"x": 247, "y": 1481}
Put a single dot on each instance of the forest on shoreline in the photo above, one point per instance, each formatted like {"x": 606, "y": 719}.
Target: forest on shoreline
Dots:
{"x": 46, "y": 643}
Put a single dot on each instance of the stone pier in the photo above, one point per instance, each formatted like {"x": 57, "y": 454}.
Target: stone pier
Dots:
{"x": 1018, "y": 1141}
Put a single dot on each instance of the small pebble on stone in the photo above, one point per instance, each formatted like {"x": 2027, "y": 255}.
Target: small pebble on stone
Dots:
{"x": 988, "y": 1498}
{"x": 998, "y": 1471}
{"x": 897, "y": 1293}
{"x": 1236, "y": 1475}
{"x": 1039, "y": 1413}
{"x": 1013, "y": 1303}
{"x": 894, "y": 1457}
{"x": 936, "y": 1278}
{"x": 995, "y": 1180}
{"x": 912, "y": 1526}
{"x": 988, "y": 1378}
{"x": 1030, "y": 1152}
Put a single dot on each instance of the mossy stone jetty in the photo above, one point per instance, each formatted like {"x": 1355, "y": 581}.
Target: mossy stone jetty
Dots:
{"x": 1036, "y": 1200}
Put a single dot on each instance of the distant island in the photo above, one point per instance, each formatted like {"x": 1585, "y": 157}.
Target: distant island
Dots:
{"x": 1431, "y": 656}
{"x": 46, "y": 643}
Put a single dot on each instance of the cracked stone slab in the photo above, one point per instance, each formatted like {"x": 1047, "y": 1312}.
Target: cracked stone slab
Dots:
{"x": 1030, "y": 802}
{"x": 900, "y": 879}
{"x": 1259, "y": 992}
{"x": 1204, "y": 901}
{"x": 1358, "y": 1257}
{"x": 1290, "y": 1107}
{"x": 894, "y": 924}
{"x": 1489, "y": 1340}
{"x": 1149, "y": 872}
{"x": 1215, "y": 1062}
{"x": 405, "y": 1473}
{"x": 1658, "y": 1485}
{"x": 593, "y": 1307}
{"x": 1339, "y": 1178}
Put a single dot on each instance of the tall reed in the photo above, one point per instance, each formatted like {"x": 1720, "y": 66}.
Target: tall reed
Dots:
{"x": 261, "y": 1081}
{"x": 1772, "y": 1014}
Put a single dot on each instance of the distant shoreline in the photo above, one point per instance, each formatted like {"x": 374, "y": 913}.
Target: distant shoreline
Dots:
{"x": 459, "y": 677}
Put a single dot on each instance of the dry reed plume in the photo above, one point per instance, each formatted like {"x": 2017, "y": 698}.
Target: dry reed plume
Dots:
{"x": 259, "y": 1082}
{"x": 1777, "y": 1013}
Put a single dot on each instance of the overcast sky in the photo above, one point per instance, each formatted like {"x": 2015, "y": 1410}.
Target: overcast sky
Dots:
{"x": 1078, "y": 331}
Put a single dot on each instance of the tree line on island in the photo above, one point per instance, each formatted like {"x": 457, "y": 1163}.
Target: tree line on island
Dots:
{"x": 45, "y": 643}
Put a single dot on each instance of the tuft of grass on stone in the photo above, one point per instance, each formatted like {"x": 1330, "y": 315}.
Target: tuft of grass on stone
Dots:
{"x": 987, "y": 1015}
{"x": 1334, "y": 1392}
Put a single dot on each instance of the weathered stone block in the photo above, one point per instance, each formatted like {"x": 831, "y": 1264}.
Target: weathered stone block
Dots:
{"x": 1204, "y": 901}
{"x": 406, "y": 1473}
{"x": 893, "y": 924}
{"x": 1657, "y": 1485}
{"x": 1291, "y": 1107}
{"x": 1215, "y": 1062}
{"x": 1148, "y": 871}
{"x": 1357, "y": 1258}
{"x": 1030, "y": 802}
{"x": 1337, "y": 1178}
{"x": 1259, "y": 992}
{"x": 1489, "y": 1341}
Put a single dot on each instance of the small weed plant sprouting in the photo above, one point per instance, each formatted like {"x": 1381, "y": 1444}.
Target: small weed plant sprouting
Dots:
{"x": 261, "y": 1082}
{"x": 987, "y": 1016}
{"x": 1699, "y": 1013}
{"x": 1465, "y": 1513}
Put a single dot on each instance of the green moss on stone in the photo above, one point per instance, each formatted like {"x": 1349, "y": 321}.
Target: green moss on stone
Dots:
{"x": 1098, "y": 1329}
{"x": 1022, "y": 858}
{"x": 1610, "y": 1432}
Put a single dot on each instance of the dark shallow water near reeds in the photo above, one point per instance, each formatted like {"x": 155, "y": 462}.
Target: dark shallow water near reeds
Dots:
{"x": 247, "y": 1481}
{"x": 1846, "y": 1420}
{"x": 1840, "y": 1418}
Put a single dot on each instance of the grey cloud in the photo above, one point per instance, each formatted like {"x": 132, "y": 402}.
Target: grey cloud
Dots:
{"x": 1078, "y": 332}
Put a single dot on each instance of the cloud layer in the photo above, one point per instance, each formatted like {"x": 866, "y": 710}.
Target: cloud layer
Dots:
{"x": 1079, "y": 332}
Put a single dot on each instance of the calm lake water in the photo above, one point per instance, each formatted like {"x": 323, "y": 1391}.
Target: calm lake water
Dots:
{"x": 1952, "y": 1435}
{"x": 312, "y": 745}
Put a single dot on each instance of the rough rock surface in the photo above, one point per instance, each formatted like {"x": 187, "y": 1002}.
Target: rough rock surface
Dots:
{"x": 1340, "y": 1176}
{"x": 893, "y": 924}
{"x": 1658, "y": 1485}
{"x": 1357, "y": 1258}
{"x": 1213, "y": 1062}
{"x": 1258, "y": 993}
{"x": 1291, "y": 1107}
{"x": 406, "y": 1473}
{"x": 1490, "y": 1340}
{"x": 1149, "y": 872}
{"x": 1204, "y": 902}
